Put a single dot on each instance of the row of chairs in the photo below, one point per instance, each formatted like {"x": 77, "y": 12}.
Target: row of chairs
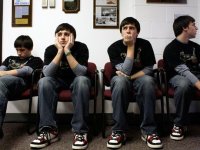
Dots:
{"x": 106, "y": 74}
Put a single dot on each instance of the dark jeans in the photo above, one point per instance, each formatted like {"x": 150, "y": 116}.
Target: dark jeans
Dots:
{"x": 182, "y": 96}
{"x": 48, "y": 97}
{"x": 122, "y": 90}
{"x": 9, "y": 86}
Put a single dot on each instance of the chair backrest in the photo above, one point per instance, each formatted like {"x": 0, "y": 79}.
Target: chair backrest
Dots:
{"x": 91, "y": 69}
{"x": 161, "y": 64}
{"x": 108, "y": 72}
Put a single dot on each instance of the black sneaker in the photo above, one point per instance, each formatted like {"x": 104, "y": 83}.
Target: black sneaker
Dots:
{"x": 47, "y": 136}
{"x": 116, "y": 139}
{"x": 1, "y": 133}
{"x": 153, "y": 141}
{"x": 80, "y": 141}
{"x": 177, "y": 133}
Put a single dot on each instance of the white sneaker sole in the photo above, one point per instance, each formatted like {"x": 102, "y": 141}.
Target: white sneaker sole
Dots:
{"x": 113, "y": 146}
{"x": 79, "y": 147}
{"x": 45, "y": 144}
{"x": 176, "y": 138}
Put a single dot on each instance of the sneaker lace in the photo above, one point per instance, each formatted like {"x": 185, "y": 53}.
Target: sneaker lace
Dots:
{"x": 177, "y": 129}
{"x": 154, "y": 138}
{"x": 115, "y": 135}
{"x": 45, "y": 134}
{"x": 79, "y": 137}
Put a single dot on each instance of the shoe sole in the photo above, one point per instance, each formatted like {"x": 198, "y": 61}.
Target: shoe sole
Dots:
{"x": 44, "y": 145}
{"x": 114, "y": 146}
{"x": 176, "y": 138}
{"x": 79, "y": 147}
{"x": 154, "y": 146}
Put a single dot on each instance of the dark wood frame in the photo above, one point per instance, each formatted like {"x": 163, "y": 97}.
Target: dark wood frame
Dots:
{"x": 1, "y": 25}
{"x": 100, "y": 22}
{"x": 27, "y": 17}
{"x": 168, "y": 1}
{"x": 73, "y": 7}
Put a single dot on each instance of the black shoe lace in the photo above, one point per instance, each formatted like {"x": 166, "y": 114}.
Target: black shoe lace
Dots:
{"x": 45, "y": 134}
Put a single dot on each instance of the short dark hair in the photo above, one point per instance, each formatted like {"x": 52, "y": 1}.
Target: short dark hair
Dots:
{"x": 180, "y": 23}
{"x": 68, "y": 27}
{"x": 24, "y": 41}
{"x": 130, "y": 20}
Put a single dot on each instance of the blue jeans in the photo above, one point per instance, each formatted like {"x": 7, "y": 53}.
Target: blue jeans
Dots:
{"x": 122, "y": 90}
{"x": 9, "y": 86}
{"x": 182, "y": 96}
{"x": 48, "y": 97}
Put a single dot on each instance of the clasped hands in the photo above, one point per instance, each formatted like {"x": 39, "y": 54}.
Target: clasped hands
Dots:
{"x": 119, "y": 73}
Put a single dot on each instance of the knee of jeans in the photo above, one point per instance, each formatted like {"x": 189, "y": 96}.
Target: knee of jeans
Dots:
{"x": 45, "y": 82}
{"x": 119, "y": 81}
{"x": 148, "y": 81}
{"x": 82, "y": 81}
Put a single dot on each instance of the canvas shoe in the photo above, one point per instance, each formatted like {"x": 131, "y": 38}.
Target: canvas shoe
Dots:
{"x": 116, "y": 139}
{"x": 80, "y": 141}
{"x": 177, "y": 133}
{"x": 153, "y": 141}
{"x": 47, "y": 136}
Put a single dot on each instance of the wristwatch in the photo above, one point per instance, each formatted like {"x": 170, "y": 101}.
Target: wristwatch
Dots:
{"x": 68, "y": 53}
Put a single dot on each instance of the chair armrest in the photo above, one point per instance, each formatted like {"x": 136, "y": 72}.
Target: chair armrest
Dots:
{"x": 35, "y": 77}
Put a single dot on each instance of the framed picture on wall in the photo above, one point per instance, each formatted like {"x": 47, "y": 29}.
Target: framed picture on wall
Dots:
{"x": 71, "y": 6}
{"x": 21, "y": 13}
{"x": 106, "y": 14}
{"x": 168, "y": 1}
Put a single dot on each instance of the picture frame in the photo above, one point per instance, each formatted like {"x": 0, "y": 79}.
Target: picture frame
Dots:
{"x": 168, "y": 1}
{"x": 71, "y": 6}
{"x": 106, "y": 14}
{"x": 22, "y": 13}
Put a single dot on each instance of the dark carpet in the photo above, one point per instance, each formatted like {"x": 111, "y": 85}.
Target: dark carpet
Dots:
{"x": 16, "y": 138}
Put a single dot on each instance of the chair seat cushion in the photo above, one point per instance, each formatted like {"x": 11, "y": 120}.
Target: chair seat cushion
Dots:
{"x": 65, "y": 95}
{"x": 108, "y": 94}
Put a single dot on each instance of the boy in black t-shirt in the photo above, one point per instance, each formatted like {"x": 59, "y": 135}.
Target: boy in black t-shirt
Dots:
{"x": 65, "y": 67}
{"x": 181, "y": 57}
{"x": 15, "y": 73}
{"x": 132, "y": 59}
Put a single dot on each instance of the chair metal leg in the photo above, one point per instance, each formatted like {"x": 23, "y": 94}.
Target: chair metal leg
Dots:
{"x": 103, "y": 120}
{"x": 29, "y": 131}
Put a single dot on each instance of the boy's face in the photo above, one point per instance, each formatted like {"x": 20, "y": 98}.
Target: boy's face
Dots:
{"x": 191, "y": 30}
{"x": 63, "y": 37}
{"x": 23, "y": 52}
{"x": 129, "y": 32}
